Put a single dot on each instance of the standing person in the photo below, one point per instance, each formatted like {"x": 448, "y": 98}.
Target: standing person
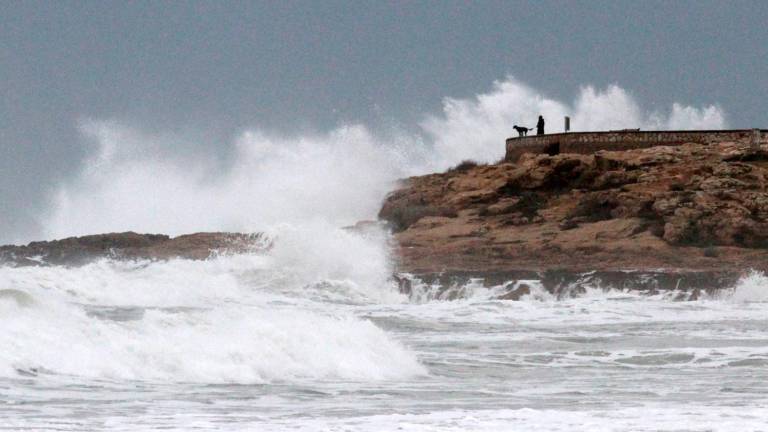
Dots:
{"x": 540, "y": 126}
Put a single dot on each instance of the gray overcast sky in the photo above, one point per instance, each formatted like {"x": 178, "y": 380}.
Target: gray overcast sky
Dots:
{"x": 218, "y": 66}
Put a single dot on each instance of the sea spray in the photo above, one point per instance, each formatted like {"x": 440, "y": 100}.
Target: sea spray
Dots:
{"x": 753, "y": 287}
{"x": 187, "y": 321}
{"x": 132, "y": 180}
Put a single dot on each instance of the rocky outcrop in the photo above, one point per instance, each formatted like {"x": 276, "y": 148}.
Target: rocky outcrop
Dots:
{"x": 693, "y": 209}
{"x": 675, "y": 284}
{"x": 129, "y": 245}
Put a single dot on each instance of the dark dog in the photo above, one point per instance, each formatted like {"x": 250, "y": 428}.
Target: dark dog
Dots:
{"x": 521, "y": 131}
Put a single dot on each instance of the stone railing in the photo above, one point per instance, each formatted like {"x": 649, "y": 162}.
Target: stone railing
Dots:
{"x": 590, "y": 142}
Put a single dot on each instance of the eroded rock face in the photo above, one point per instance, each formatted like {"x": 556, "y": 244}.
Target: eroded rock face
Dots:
{"x": 129, "y": 245}
{"x": 691, "y": 206}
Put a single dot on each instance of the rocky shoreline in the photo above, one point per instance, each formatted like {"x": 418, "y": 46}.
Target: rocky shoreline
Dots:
{"x": 75, "y": 251}
{"x": 685, "y": 217}
{"x": 513, "y": 285}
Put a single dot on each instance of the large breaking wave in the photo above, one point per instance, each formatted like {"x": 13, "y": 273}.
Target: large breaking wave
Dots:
{"x": 244, "y": 319}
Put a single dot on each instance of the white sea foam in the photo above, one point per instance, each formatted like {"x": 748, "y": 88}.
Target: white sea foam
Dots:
{"x": 233, "y": 345}
{"x": 647, "y": 418}
{"x": 261, "y": 317}
{"x": 751, "y": 288}
{"x": 330, "y": 355}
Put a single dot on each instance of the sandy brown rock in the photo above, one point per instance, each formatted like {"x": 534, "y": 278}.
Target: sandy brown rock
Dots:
{"x": 686, "y": 208}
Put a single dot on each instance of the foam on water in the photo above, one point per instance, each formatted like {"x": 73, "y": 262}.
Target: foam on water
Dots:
{"x": 751, "y": 288}
{"x": 153, "y": 332}
{"x": 640, "y": 419}
{"x": 235, "y": 318}
{"x": 236, "y": 345}
{"x": 650, "y": 419}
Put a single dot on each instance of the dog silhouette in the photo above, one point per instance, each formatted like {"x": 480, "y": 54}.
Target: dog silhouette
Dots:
{"x": 521, "y": 131}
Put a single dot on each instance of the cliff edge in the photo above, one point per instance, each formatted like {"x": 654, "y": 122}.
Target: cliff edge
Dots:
{"x": 693, "y": 208}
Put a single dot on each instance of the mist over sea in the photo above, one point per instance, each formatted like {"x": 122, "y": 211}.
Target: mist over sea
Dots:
{"x": 313, "y": 334}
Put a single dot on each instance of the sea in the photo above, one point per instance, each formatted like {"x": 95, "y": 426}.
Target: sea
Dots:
{"x": 311, "y": 333}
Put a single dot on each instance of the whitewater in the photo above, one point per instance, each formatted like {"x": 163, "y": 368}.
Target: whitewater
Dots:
{"x": 312, "y": 332}
{"x": 251, "y": 342}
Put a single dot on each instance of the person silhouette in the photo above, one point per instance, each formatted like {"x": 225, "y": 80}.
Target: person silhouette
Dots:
{"x": 540, "y": 126}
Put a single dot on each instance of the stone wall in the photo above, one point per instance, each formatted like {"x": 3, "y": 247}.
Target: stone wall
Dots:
{"x": 590, "y": 142}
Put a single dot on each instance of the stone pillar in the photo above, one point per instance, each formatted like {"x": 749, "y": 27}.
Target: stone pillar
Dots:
{"x": 755, "y": 141}
{"x": 567, "y": 123}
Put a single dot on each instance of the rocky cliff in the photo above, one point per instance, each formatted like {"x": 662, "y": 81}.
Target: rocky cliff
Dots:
{"x": 696, "y": 210}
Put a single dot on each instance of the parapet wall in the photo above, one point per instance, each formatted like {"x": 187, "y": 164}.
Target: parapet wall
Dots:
{"x": 590, "y": 142}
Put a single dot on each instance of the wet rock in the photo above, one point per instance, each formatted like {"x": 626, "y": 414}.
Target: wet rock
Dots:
{"x": 517, "y": 293}
{"x": 129, "y": 245}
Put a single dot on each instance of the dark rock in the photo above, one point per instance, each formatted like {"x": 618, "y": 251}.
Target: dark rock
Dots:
{"x": 516, "y": 293}
{"x": 129, "y": 245}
